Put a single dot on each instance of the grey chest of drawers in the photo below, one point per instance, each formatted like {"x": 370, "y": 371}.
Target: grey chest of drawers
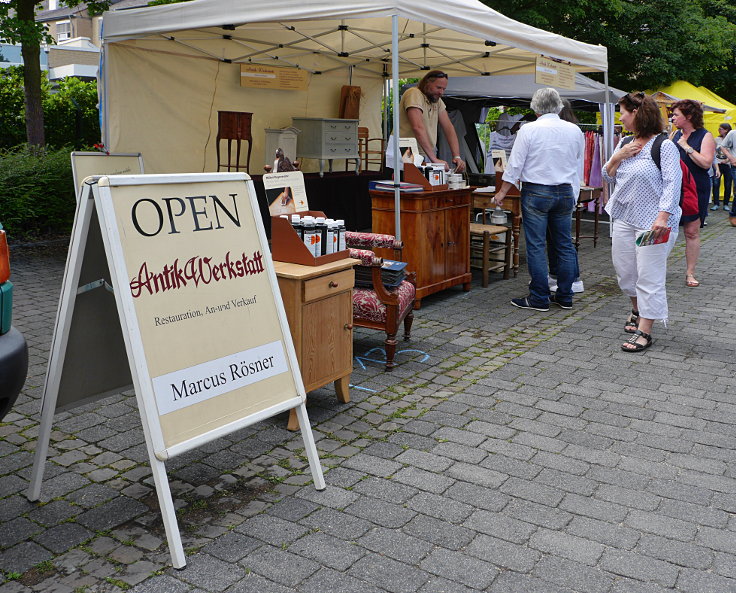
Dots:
{"x": 327, "y": 139}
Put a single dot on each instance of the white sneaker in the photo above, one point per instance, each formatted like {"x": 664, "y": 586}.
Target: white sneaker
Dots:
{"x": 577, "y": 286}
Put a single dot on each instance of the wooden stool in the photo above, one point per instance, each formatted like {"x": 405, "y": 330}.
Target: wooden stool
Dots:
{"x": 234, "y": 125}
{"x": 587, "y": 195}
{"x": 489, "y": 252}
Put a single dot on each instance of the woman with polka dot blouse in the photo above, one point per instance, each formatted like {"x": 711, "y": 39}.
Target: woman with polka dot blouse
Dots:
{"x": 644, "y": 198}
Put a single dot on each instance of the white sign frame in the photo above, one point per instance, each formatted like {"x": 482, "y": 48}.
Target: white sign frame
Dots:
{"x": 158, "y": 451}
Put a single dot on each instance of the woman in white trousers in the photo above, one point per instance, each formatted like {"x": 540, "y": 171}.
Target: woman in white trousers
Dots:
{"x": 646, "y": 197}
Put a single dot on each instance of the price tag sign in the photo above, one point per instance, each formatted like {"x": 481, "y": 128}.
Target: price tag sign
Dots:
{"x": 269, "y": 77}
{"x": 549, "y": 72}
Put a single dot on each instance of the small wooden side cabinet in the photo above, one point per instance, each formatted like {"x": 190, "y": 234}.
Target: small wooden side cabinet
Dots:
{"x": 435, "y": 229}
{"x": 234, "y": 125}
{"x": 327, "y": 139}
{"x": 319, "y": 307}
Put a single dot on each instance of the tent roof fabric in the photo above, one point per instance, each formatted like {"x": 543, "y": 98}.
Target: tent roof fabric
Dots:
{"x": 682, "y": 89}
{"x": 717, "y": 109}
{"x": 517, "y": 89}
{"x": 461, "y": 37}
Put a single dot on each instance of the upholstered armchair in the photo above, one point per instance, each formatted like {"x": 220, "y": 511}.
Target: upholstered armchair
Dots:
{"x": 380, "y": 307}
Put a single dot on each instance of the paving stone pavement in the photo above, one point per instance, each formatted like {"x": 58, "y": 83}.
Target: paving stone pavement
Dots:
{"x": 510, "y": 451}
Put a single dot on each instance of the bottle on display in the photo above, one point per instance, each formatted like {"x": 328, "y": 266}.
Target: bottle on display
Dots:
{"x": 296, "y": 222}
{"x": 321, "y": 227}
{"x": 331, "y": 245}
{"x": 310, "y": 234}
{"x": 341, "y": 235}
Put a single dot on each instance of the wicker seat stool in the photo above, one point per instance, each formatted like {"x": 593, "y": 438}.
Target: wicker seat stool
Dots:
{"x": 490, "y": 249}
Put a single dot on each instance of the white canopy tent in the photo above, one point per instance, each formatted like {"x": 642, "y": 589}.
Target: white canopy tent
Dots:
{"x": 168, "y": 69}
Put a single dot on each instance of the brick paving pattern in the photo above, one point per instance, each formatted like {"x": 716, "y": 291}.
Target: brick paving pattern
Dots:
{"x": 510, "y": 451}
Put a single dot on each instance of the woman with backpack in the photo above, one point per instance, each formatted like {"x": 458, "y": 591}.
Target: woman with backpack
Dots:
{"x": 697, "y": 150}
{"x": 646, "y": 197}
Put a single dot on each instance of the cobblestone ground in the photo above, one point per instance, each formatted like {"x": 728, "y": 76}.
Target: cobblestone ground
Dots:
{"x": 510, "y": 451}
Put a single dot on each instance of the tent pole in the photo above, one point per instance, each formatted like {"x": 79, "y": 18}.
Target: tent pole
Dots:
{"x": 384, "y": 119}
{"x": 608, "y": 121}
{"x": 102, "y": 97}
{"x": 397, "y": 153}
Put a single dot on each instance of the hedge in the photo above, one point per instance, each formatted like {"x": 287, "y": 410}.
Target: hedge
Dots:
{"x": 36, "y": 192}
{"x": 70, "y": 110}
{"x": 36, "y": 185}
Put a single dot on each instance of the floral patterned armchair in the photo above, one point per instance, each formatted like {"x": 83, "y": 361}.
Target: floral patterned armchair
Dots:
{"x": 379, "y": 307}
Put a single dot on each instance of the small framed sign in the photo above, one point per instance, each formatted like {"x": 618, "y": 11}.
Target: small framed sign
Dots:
{"x": 285, "y": 192}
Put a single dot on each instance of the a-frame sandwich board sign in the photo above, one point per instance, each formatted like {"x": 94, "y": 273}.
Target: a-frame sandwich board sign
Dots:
{"x": 202, "y": 320}
{"x": 90, "y": 164}
{"x": 86, "y": 350}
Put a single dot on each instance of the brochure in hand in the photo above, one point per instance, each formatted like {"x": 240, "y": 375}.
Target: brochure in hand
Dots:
{"x": 647, "y": 238}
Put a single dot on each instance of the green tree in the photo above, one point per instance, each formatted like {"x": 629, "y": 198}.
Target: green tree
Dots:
{"x": 650, "y": 43}
{"x": 18, "y": 25}
{"x": 71, "y": 114}
{"x": 11, "y": 107}
{"x": 71, "y": 118}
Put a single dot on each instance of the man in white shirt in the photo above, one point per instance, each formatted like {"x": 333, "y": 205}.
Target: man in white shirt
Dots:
{"x": 547, "y": 158}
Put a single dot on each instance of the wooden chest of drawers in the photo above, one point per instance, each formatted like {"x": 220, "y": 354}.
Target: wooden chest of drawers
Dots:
{"x": 319, "y": 306}
{"x": 327, "y": 139}
{"x": 436, "y": 234}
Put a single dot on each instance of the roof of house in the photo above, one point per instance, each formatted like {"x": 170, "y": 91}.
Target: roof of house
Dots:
{"x": 64, "y": 11}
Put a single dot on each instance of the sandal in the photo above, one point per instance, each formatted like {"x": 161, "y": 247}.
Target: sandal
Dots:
{"x": 632, "y": 323}
{"x": 637, "y": 347}
{"x": 691, "y": 282}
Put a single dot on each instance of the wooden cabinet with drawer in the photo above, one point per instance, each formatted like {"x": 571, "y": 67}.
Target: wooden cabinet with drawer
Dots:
{"x": 327, "y": 139}
{"x": 319, "y": 307}
{"x": 435, "y": 229}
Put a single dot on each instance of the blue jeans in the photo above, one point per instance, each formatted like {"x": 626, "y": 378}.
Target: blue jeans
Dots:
{"x": 726, "y": 173}
{"x": 733, "y": 203}
{"x": 552, "y": 258}
{"x": 542, "y": 207}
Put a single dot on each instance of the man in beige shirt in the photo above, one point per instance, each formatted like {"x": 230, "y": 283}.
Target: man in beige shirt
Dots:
{"x": 421, "y": 111}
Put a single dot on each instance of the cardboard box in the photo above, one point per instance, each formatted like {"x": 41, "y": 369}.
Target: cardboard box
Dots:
{"x": 287, "y": 246}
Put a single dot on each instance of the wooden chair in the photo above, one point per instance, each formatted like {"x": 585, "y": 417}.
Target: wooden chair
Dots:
{"x": 370, "y": 155}
{"x": 490, "y": 249}
{"x": 379, "y": 307}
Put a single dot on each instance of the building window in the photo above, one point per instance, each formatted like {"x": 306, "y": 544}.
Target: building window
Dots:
{"x": 63, "y": 30}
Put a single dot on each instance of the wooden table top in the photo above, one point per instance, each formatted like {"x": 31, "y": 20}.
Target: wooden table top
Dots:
{"x": 300, "y": 272}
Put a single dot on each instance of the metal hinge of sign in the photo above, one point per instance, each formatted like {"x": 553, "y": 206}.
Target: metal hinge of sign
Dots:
{"x": 95, "y": 284}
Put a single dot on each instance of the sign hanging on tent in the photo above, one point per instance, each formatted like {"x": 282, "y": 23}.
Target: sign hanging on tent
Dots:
{"x": 269, "y": 77}
{"x": 553, "y": 73}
